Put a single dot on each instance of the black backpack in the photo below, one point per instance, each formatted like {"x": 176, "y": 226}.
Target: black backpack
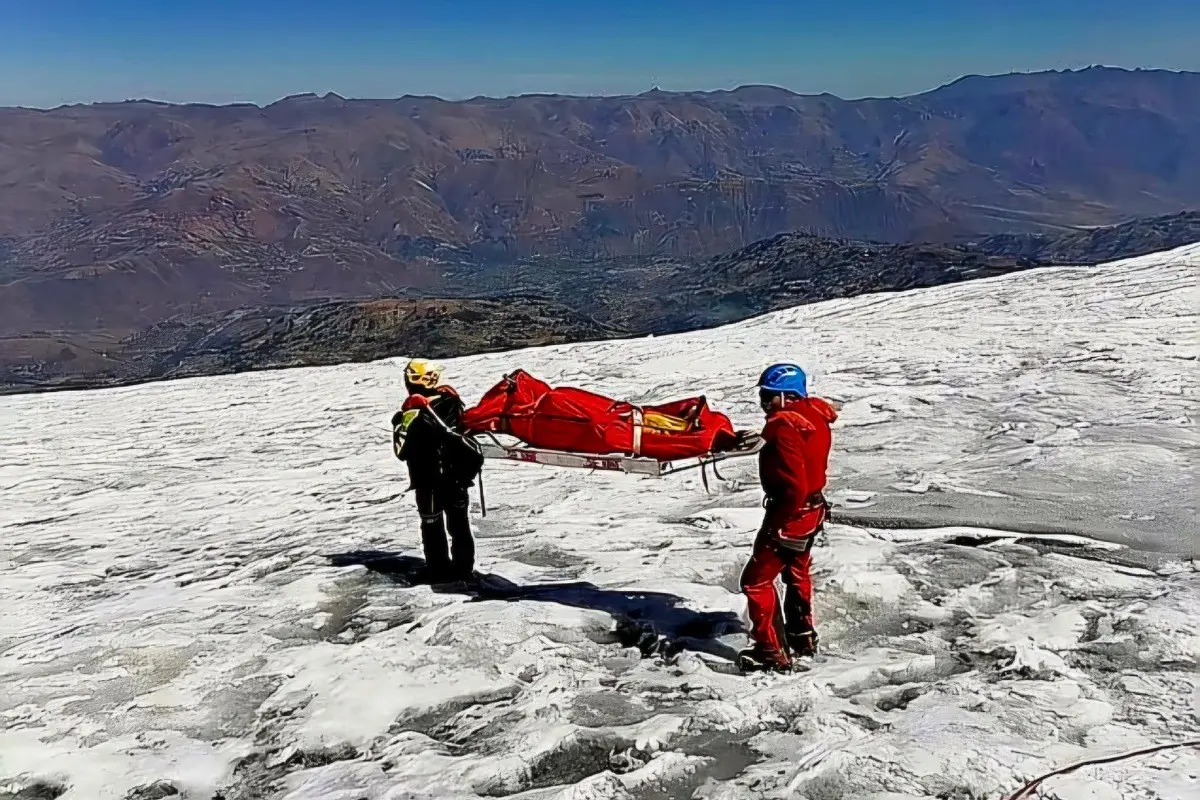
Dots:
{"x": 461, "y": 457}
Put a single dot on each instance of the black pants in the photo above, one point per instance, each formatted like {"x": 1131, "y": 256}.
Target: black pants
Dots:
{"x": 444, "y": 510}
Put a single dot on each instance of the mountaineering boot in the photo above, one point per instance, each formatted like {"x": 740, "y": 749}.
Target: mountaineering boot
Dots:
{"x": 456, "y": 581}
{"x": 438, "y": 572}
{"x": 466, "y": 576}
{"x": 760, "y": 659}
{"x": 803, "y": 644}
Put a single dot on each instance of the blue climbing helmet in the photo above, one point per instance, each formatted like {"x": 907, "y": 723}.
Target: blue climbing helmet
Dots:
{"x": 785, "y": 379}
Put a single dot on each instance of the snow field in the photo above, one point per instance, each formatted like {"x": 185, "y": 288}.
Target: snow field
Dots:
{"x": 207, "y": 582}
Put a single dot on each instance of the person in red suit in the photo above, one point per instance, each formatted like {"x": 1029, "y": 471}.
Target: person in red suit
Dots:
{"x": 792, "y": 467}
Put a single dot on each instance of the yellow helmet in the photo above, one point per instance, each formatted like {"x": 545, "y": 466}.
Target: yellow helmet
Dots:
{"x": 423, "y": 373}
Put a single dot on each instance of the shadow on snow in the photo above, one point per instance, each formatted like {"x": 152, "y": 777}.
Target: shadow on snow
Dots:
{"x": 657, "y": 623}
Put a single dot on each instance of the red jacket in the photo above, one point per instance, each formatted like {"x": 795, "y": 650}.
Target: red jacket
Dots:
{"x": 792, "y": 465}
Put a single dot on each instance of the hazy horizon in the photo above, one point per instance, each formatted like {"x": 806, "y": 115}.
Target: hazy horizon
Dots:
{"x": 65, "y": 52}
{"x": 698, "y": 90}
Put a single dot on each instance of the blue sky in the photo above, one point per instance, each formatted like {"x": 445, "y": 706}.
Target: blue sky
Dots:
{"x": 64, "y": 51}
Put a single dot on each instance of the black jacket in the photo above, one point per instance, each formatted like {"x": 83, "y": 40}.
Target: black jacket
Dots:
{"x": 433, "y": 447}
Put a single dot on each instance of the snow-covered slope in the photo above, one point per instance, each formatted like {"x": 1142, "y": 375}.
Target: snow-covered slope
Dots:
{"x": 186, "y": 606}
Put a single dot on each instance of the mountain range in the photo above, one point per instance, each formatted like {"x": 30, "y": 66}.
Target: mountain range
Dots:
{"x": 143, "y": 221}
{"x": 117, "y": 216}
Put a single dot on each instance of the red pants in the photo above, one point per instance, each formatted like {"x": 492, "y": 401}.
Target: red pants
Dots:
{"x": 768, "y": 560}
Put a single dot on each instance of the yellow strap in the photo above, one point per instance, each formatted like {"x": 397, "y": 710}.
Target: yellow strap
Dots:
{"x": 655, "y": 421}
{"x": 665, "y": 422}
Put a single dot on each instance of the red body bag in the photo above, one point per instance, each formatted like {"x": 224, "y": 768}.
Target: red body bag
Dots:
{"x": 579, "y": 421}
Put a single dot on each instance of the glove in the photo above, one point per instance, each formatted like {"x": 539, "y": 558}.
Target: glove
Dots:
{"x": 416, "y": 401}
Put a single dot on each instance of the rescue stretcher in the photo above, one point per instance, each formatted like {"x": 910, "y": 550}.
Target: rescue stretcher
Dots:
{"x": 491, "y": 447}
{"x": 576, "y": 428}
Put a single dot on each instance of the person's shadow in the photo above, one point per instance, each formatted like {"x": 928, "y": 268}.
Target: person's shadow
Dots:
{"x": 654, "y": 622}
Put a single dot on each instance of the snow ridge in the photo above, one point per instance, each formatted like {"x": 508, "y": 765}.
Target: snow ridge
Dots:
{"x": 208, "y": 583}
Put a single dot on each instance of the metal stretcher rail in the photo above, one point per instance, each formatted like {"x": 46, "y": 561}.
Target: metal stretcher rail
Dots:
{"x": 492, "y": 448}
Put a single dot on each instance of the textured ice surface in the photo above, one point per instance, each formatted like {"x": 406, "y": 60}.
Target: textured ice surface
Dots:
{"x": 205, "y": 581}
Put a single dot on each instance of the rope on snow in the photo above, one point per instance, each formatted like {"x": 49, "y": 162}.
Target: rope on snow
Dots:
{"x": 1025, "y": 790}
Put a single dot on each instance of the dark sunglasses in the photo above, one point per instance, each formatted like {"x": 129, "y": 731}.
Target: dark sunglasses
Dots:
{"x": 766, "y": 396}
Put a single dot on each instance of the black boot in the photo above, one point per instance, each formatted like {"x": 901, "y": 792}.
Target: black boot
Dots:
{"x": 760, "y": 659}
{"x": 462, "y": 543}
{"x": 438, "y": 567}
{"x": 803, "y": 644}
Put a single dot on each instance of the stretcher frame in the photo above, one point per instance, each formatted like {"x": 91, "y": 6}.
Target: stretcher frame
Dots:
{"x": 492, "y": 448}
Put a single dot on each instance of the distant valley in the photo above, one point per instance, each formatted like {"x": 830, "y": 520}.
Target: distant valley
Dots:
{"x": 553, "y": 301}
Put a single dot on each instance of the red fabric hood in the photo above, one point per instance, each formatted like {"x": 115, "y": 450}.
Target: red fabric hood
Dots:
{"x": 814, "y": 408}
